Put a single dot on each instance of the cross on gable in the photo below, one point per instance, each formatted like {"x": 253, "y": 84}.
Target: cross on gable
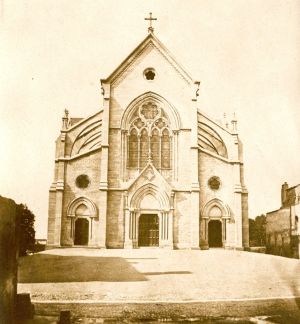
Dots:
{"x": 150, "y": 28}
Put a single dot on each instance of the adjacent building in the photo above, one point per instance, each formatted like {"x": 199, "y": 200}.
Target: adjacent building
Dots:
{"x": 282, "y": 229}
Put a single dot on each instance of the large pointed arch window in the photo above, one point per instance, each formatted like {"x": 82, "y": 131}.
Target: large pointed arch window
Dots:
{"x": 149, "y": 138}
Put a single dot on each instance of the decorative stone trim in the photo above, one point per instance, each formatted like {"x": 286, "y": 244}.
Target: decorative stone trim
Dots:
{"x": 226, "y": 213}
{"x": 71, "y": 210}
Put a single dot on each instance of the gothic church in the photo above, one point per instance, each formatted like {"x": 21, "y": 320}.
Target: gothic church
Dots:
{"x": 150, "y": 168}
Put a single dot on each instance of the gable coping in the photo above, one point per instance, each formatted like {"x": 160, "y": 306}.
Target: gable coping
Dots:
{"x": 128, "y": 61}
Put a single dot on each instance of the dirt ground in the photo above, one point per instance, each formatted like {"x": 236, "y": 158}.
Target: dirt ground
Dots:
{"x": 156, "y": 275}
{"x": 175, "y": 286}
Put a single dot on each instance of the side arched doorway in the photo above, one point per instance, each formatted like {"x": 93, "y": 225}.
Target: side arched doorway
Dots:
{"x": 148, "y": 230}
{"x": 82, "y": 213}
{"x": 215, "y": 215}
{"x": 215, "y": 233}
{"x": 81, "y": 235}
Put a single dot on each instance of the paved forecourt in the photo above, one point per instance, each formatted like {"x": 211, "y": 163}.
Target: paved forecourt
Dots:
{"x": 89, "y": 276}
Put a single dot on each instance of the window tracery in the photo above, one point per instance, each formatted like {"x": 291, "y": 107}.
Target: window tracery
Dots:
{"x": 149, "y": 137}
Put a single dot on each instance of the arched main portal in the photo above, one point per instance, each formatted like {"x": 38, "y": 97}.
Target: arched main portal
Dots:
{"x": 149, "y": 219}
{"x": 81, "y": 235}
{"x": 215, "y": 233}
{"x": 148, "y": 230}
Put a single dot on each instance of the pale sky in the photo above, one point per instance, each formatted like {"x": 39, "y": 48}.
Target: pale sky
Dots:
{"x": 53, "y": 53}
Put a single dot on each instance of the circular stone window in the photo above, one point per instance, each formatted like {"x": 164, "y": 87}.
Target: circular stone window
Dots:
{"x": 82, "y": 181}
{"x": 214, "y": 183}
{"x": 149, "y": 74}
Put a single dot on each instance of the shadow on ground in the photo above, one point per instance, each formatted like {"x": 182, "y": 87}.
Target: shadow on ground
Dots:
{"x": 42, "y": 268}
{"x": 293, "y": 282}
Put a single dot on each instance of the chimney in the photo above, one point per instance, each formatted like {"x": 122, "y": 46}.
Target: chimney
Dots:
{"x": 284, "y": 188}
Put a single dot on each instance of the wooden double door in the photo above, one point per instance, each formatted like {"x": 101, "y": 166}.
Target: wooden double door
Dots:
{"x": 148, "y": 230}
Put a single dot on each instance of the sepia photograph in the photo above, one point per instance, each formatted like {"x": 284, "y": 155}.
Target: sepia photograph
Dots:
{"x": 149, "y": 164}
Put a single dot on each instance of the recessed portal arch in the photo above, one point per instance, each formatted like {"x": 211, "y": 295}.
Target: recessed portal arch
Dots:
{"x": 149, "y": 193}
{"x": 149, "y": 218}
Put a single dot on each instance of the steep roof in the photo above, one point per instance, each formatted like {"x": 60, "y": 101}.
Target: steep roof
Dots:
{"x": 154, "y": 41}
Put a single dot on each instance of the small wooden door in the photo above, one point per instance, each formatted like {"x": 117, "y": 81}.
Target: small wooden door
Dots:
{"x": 148, "y": 230}
{"x": 215, "y": 233}
{"x": 81, "y": 231}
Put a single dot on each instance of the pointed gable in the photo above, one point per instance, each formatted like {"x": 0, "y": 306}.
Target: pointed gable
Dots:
{"x": 150, "y": 188}
{"x": 150, "y": 175}
{"x": 149, "y": 41}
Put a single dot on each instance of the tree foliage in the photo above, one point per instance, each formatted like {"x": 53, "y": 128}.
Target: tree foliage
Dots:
{"x": 257, "y": 231}
{"x": 26, "y": 230}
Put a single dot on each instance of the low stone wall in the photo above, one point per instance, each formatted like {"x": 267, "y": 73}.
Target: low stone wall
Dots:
{"x": 257, "y": 249}
{"x": 174, "y": 311}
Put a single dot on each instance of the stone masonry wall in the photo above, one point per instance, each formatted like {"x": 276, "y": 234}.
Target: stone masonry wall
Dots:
{"x": 210, "y": 166}
{"x": 89, "y": 165}
{"x": 115, "y": 220}
{"x": 278, "y": 233}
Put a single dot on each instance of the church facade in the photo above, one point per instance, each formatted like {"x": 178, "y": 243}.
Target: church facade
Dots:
{"x": 149, "y": 168}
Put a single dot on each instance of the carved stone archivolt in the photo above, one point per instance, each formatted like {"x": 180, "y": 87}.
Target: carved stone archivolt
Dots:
{"x": 216, "y": 208}
{"x": 77, "y": 203}
{"x": 150, "y": 189}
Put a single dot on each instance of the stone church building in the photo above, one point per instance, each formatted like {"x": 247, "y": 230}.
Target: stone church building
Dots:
{"x": 149, "y": 168}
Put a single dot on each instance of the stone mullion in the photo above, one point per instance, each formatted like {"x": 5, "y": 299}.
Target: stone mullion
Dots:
{"x": 134, "y": 229}
{"x": 223, "y": 230}
{"x": 170, "y": 227}
{"x": 91, "y": 232}
{"x": 126, "y": 154}
{"x": 71, "y": 231}
{"x": 139, "y": 151}
{"x": 160, "y": 152}
{"x": 149, "y": 145}
{"x": 130, "y": 225}
{"x": 167, "y": 225}
{"x": 133, "y": 225}
{"x": 161, "y": 230}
